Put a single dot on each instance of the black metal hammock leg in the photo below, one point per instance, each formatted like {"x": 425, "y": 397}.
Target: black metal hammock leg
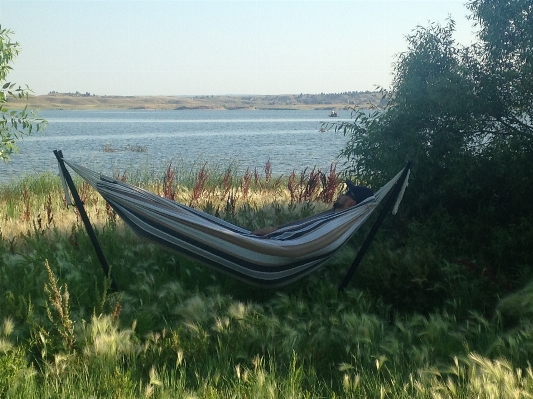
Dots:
{"x": 85, "y": 219}
{"x": 386, "y": 209}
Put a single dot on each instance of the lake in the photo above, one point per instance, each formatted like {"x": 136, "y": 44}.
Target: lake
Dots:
{"x": 147, "y": 141}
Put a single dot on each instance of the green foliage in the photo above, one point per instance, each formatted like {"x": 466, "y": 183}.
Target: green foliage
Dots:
{"x": 506, "y": 33}
{"x": 13, "y": 124}
{"x": 519, "y": 305}
{"x": 464, "y": 115}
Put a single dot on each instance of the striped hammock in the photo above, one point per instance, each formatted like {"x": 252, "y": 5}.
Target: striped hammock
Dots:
{"x": 279, "y": 258}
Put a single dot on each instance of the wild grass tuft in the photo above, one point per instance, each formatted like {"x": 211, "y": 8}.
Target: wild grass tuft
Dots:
{"x": 58, "y": 309}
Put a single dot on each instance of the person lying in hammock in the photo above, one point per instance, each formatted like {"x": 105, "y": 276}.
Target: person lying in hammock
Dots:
{"x": 353, "y": 195}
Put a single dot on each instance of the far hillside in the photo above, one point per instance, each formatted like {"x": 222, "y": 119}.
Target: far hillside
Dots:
{"x": 322, "y": 101}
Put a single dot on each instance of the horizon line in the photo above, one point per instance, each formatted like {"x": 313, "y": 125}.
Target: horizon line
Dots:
{"x": 89, "y": 94}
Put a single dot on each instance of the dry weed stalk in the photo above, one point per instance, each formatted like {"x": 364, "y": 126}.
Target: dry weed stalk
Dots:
{"x": 330, "y": 184}
{"x": 245, "y": 183}
{"x": 26, "y": 202}
{"x": 60, "y": 302}
{"x": 231, "y": 203}
{"x": 73, "y": 238}
{"x": 111, "y": 214}
{"x": 48, "y": 210}
{"x": 293, "y": 186}
{"x": 227, "y": 182}
{"x": 85, "y": 191}
{"x": 168, "y": 183}
{"x": 123, "y": 178}
{"x": 199, "y": 186}
{"x": 115, "y": 313}
{"x": 268, "y": 171}
{"x": 312, "y": 185}
{"x": 38, "y": 225}
{"x": 302, "y": 184}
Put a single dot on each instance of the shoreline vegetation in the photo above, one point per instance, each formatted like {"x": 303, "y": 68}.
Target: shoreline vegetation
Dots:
{"x": 88, "y": 101}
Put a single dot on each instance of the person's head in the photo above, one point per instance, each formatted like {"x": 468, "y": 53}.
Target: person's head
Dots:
{"x": 353, "y": 195}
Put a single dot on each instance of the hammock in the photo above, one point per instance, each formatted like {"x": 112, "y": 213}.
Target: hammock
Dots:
{"x": 279, "y": 258}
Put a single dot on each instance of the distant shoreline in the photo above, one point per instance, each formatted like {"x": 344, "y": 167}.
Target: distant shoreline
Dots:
{"x": 78, "y": 101}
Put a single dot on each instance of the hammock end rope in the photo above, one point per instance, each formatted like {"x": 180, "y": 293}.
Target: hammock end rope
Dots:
{"x": 400, "y": 195}
{"x": 68, "y": 200}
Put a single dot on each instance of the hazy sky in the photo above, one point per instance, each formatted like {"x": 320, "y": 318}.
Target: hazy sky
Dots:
{"x": 215, "y": 47}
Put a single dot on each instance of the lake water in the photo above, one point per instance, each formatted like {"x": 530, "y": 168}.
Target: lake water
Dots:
{"x": 109, "y": 141}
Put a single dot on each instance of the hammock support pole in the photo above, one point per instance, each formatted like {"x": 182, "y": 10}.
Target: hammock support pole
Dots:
{"x": 90, "y": 231}
{"x": 386, "y": 208}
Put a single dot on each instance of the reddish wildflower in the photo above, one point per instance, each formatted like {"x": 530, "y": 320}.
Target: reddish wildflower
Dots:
{"x": 292, "y": 186}
{"x": 330, "y": 184}
{"x": 168, "y": 183}
{"x": 268, "y": 171}
{"x": 227, "y": 182}
{"x": 26, "y": 201}
{"x": 245, "y": 183}
{"x": 312, "y": 185}
{"x": 199, "y": 186}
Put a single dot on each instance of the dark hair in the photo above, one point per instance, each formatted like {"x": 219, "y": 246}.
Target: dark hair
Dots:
{"x": 358, "y": 193}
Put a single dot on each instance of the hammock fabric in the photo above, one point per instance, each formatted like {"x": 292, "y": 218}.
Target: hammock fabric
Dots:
{"x": 284, "y": 256}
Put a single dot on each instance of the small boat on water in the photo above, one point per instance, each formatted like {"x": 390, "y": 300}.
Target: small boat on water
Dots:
{"x": 333, "y": 114}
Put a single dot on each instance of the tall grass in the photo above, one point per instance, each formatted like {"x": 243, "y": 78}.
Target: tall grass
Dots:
{"x": 410, "y": 326}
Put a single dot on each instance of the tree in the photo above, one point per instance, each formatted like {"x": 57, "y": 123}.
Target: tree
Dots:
{"x": 464, "y": 115}
{"x": 506, "y": 67}
{"x": 14, "y": 125}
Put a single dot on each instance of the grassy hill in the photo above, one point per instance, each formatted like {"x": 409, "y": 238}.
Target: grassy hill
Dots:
{"x": 334, "y": 101}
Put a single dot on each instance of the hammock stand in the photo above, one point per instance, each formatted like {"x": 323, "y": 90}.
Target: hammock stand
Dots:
{"x": 394, "y": 196}
{"x": 66, "y": 178}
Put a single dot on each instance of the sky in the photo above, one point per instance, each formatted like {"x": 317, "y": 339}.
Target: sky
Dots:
{"x": 133, "y": 48}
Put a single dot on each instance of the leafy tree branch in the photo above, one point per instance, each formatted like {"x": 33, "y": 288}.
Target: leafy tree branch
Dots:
{"x": 465, "y": 116}
{"x": 14, "y": 125}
